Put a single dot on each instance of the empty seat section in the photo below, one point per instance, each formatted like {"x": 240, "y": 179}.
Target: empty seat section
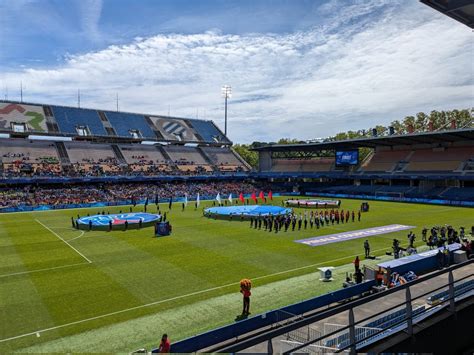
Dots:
{"x": 385, "y": 160}
{"x": 448, "y": 159}
{"x": 69, "y": 118}
{"x": 302, "y": 165}
{"x": 208, "y": 131}
{"x": 124, "y": 123}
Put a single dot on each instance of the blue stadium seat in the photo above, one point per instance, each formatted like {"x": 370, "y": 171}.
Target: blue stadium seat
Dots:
{"x": 68, "y": 118}
{"x": 207, "y": 130}
{"x": 124, "y": 122}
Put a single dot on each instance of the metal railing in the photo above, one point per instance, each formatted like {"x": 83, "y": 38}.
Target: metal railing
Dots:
{"x": 354, "y": 340}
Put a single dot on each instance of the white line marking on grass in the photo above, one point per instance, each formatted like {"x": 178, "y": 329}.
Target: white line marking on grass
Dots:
{"x": 57, "y": 235}
{"x": 171, "y": 299}
{"x": 46, "y": 269}
{"x": 80, "y": 235}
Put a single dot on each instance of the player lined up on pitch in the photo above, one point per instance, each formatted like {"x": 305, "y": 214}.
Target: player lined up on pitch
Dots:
{"x": 303, "y": 220}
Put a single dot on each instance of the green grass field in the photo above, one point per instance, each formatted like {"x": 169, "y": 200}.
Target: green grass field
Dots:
{"x": 120, "y": 291}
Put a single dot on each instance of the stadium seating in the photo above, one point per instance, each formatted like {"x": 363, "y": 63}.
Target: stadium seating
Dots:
{"x": 124, "y": 123}
{"x": 456, "y": 193}
{"x": 92, "y": 159}
{"x": 448, "y": 159}
{"x": 208, "y": 131}
{"x": 224, "y": 158}
{"x": 383, "y": 161}
{"x": 20, "y": 156}
{"x": 188, "y": 159}
{"x": 383, "y": 323}
{"x": 29, "y": 118}
{"x": 302, "y": 165}
{"x": 458, "y": 291}
{"x": 70, "y": 118}
{"x": 145, "y": 159}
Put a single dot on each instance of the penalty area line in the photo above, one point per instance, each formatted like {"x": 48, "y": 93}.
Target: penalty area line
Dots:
{"x": 57, "y": 235}
{"x": 172, "y": 299}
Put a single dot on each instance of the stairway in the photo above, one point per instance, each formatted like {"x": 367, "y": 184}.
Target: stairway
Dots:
{"x": 118, "y": 154}
{"x": 63, "y": 155}
{"x": 165, "y": 154}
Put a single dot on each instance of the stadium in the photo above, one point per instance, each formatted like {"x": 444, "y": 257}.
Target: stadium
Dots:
{"x": 119, "y": 227}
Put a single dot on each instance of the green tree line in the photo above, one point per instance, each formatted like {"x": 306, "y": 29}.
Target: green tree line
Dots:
{"x": 421, "y": 122}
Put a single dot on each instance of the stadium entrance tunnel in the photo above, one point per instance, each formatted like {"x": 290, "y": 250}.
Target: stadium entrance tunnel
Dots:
{"x": 120, "y": 221}
{"x": 245, "y": 212}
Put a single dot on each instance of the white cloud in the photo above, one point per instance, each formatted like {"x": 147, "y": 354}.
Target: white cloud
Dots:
{"x": 354, "y": 72}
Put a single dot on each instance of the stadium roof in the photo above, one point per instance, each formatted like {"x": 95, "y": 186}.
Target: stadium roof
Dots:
{"x": 460, "y": 10}
{"x": 405, "y": 139}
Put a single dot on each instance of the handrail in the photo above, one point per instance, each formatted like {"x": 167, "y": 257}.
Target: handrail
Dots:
{"x": 372, "y": 316}
{"x": 273, "y": 333}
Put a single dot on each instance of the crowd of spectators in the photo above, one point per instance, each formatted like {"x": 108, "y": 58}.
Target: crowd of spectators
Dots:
{"x": 90, "y": 193}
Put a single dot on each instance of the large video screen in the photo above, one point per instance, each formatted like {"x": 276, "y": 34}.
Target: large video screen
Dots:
{"x": 347, "y": 157}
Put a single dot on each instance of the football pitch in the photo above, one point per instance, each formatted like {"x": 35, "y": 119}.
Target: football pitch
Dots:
{"x": 65, "y": 290}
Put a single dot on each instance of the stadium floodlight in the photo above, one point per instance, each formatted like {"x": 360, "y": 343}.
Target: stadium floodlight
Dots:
{"x": 226, "y": 91}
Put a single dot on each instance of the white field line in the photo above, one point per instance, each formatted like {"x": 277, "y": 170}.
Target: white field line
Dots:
{"x": 171, "y": 299}
{"x": 80, "y": 235}
{"x": 40, "y": 270}
{"x": 57, "y": 235}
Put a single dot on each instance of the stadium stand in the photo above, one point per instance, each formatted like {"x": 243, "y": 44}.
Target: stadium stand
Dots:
{"x": 383, "y": 323}
{"x": 130, "y": 125}
{"x": 76, "y": 121}
{"x": 385, "y": 161}
{"x": 225, "y": 159}
{"x": 92, "y": 158}
{"x": 460, "y": 289}
{"x": 208, "y": 131}
{"x": 303, "y": 165}
{"x": 22, "y": 118}
{"x": 145, "y": 159}
{"x": 188, "y": 159}
{"x": 24, "y": 157}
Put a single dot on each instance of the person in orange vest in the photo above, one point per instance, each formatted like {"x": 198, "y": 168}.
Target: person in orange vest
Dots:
{"x": 245, "y": 286}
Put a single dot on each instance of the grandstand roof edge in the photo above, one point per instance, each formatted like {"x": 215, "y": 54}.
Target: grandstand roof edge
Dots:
{"x": 372, "y": 142}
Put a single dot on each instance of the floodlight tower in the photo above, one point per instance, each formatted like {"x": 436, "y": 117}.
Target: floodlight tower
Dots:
{"x": 226, "y": 91}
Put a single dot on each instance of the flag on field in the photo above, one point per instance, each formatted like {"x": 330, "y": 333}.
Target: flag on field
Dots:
{"x": 185, "y": 199}
{"x": 270, "y": 195}
{"x": 241, "y": 198}
{"x": 198, "y": 201}
{"x": 230, "y": 198}
{"x": 261, "y": 196}
{"x": 254, "y": 197}
{"x": 218, "y": 198}
{"x": 171, "y": 203}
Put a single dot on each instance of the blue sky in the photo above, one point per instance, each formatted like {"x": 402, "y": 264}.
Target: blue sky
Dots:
{"x": 300, "y": 69}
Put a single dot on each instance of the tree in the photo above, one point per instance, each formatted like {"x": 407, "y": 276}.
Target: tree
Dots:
{"x": 398, "y": 127}
{"x": 421, "y": 122}
{"x": 409, "y": 123}
{"x": 250, "y": 156}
